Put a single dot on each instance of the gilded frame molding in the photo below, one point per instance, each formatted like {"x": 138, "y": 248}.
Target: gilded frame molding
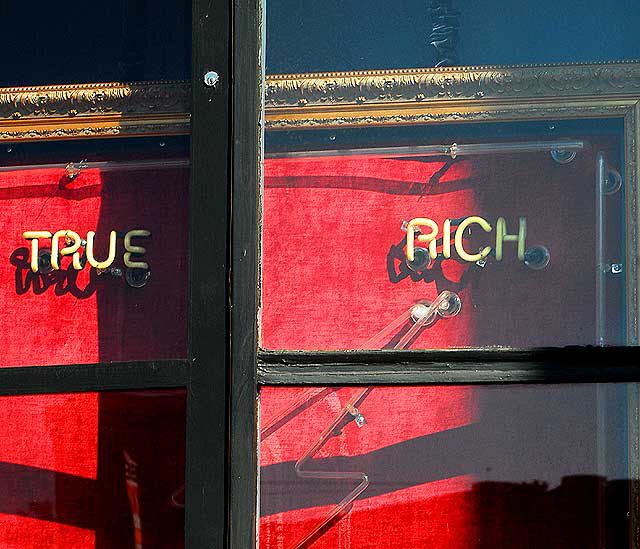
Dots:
{"x": 443, "y": 94}
{"x": 94, "y": 110}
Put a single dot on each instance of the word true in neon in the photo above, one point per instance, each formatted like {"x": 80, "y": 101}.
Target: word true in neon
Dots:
{"x": 73, "y": 243}
{"x": 417, "y": 225}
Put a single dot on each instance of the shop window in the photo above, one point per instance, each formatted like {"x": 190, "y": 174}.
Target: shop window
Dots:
{"x": 446, "y": 251}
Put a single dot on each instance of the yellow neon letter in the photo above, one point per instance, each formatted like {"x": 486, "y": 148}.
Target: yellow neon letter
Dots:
{"x": 131, "y": 249}
{"x": 458, "y": 238}
{"x": 68, "y": 250}
{"x": 446, "y": 239}
{"x": 34, "y": 236}
{"x": 502, "y": 236}
{"x": 430, "y": 238}
{"x": 112, "y": 251}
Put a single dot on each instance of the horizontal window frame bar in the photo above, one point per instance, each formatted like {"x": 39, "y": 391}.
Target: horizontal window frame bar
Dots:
{"x": 81, "y": 378}
{"x": 562, "y": 365}
{"x": 339, "y": 375}
{"x": 591, "y": 354}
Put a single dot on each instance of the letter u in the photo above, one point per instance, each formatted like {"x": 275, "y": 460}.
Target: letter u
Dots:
{"x": 112, "y": 251}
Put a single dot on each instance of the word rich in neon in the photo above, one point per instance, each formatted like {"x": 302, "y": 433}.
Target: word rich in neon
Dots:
{"x": 73, "y": 242}
{"x": 417, "y": 225}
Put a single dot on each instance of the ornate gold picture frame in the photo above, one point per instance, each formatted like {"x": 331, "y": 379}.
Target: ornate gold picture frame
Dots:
{"x": 94, "y": 110}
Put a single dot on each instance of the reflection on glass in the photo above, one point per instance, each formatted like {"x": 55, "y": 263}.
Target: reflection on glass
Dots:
{"x": 484, "y": 467}
{"x": 523, "y": 226}
{"x": 93, "y": 470}
{"x": 119, "y": 41}
{"x": 339, "y": 35}
{"x": 95, "y": 266}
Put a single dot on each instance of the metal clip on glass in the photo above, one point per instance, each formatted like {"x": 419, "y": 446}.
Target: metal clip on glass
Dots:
{"x": 421, "y": 314}
{"x": 74, "y": 170}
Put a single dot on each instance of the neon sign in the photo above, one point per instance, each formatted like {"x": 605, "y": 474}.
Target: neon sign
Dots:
{"x": 73, "y": 242}
{"x": 429, "y": 238}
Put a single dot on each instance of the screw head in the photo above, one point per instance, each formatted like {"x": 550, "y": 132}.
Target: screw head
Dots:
{"x": 211, "y": 79}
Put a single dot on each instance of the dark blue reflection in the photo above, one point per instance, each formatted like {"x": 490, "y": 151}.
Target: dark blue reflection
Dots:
{"x": 340, "y": 35}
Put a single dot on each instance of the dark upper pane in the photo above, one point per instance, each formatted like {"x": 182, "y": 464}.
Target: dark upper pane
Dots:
{"x": 80, "y": 42}
{"x": 340, "y": 35}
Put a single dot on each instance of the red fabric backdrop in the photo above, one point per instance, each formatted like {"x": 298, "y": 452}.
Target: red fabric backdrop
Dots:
{"x": 331, "y": 222}
{"x": 332, "y": 279}
{"x": 483, "y": 467}
{"x": 62, "y": 470}
{"x": 69, "y": 317}
{"x": 400, "y": 508}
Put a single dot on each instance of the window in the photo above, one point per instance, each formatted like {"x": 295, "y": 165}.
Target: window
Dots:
{"x": 113, "y": 283}
{"x": 392, "y": 305}
{"x": 420, "y": 386}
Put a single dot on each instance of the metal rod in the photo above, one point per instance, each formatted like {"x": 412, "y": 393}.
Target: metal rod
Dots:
{"x": 601, "y": 179}
{"x": 452, "y": 150}
{"x": 106, "y": 166}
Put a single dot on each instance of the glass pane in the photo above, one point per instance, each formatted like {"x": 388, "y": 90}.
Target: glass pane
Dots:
{"x": 125, "y": 297}
{"x": 116, "y": 41}
{"x": 345, "y": 35}
{"x": 448, "y": 467}
{"x": 423, "y": 237}
{"x": 93, "y": 470}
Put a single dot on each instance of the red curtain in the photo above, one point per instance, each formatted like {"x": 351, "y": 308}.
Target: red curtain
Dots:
{"x": 333, "y": 272}
{"x": 63, "y": 471}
